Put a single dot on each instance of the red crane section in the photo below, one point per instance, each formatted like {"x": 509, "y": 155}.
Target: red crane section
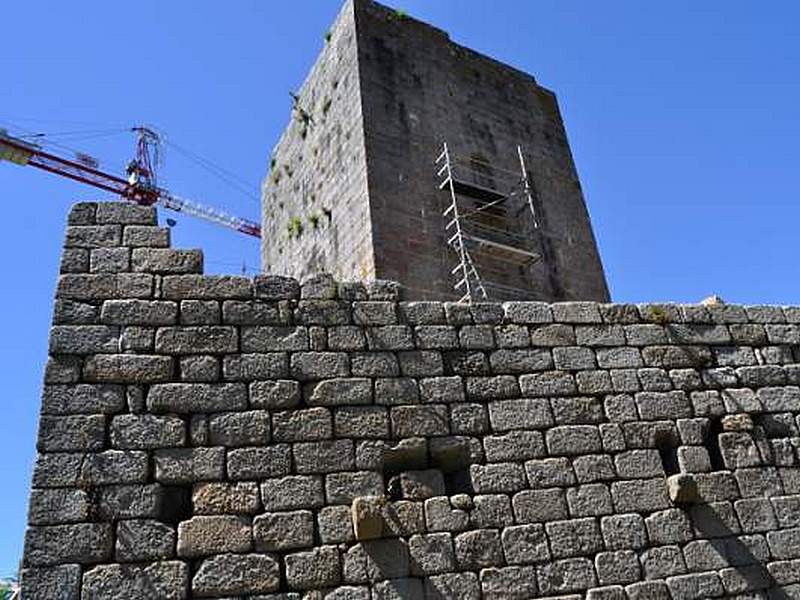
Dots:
{"x": 140, "y": 186}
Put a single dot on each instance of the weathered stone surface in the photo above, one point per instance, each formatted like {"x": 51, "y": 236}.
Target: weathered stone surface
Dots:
{"x": 75, "y": 543}
{"x": 215, "y": 287}
{"x": 218, "y": 498}
{"x": 188, "y": 465}
{"x": 258, "y": 463}
{"x": 292, "y": 492}
{"x": 284, "y": 530}
{"x": 314, "y": 569}
{"x": 236, "y": 574}
{"x": 83, "y": 339}
{"x": 143, "y": 432}
{"x": 128, "y": 368}
{"x": 139, "y": 312}
{"x": 62, "y": 582}
{"x": 204, "y": 535}
{"x": 144, "y": 540}
{"x": 245, "y": 428}
{"x": 168, "y": 580}
{"x": 197, "y": 397}
{"x": 251, "y": 367}
{"x": 167, "y": 261}
{"x": 57, "y": 506}
{"x": 207, "y": 339}
{"x": 82, "y": 398}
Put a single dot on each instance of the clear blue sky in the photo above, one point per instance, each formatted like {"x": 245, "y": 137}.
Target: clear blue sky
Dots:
{"x": 683, "y": 119}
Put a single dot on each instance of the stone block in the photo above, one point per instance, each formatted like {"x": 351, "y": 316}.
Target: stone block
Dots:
{"x": 361, "y": 422}
{"x": 327, "y": 456}
{"x": 283, "y": 531}
{"x": 336, "y": 392}
{"x": 508, "y": 582}
{"x": 317, "y": 568}
{"x": 62, "y": 582}
{"x": 75, "y": 543}
{"x": 626, "y": 531}
{"x": 478, "y": 549}
{"x": 83, "y": 433}
{"x": 199, "y": 369}
{"x": 343, "y": 488}
{"x": 259, "y": 463}
{"x": 427, "y": 420}
{"x": 245, "y": 428}
{"x": 236, "y": 574}
{"x": 147, "y": 236}
{"x": 292, "y": 492}
{"x": 591, "y": 499}
{"x": 144, "y": 432}
{"x": 204, "y": 535}
{"x": 58, "y": 506}
{"x": 307, "y": 366}
{"x": 570, "y": 440}
{"x": 576, "y": 537}
{"x": 528, "y": 413}
{"x": 452, "y": 586}
{"x": 139, "y": 540}
{"x": 538, "y": 506}
{"x": 514, "y": 446}
{"x": 564, "y": 576}
{"x": 639, "y": 495}
{"x": 619, "y": 567}
{"x": 127, "y": 368}
{"x": 525, "y": 544}
{"x": 189, "y": 465}
{"x": 166, "y": 579}
{"x": 497, "y": 477}
{"x": 219, "y": 498}
{"x": 520, "y": 361}
{"x": 335, "y": 525}
{"x": 206, "y": 339}
{"x": 82, "y": 398}
{"x": 196, "y": 397}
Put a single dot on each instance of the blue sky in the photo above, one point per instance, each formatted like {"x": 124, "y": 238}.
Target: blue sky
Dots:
{"x": 683, "y": 120}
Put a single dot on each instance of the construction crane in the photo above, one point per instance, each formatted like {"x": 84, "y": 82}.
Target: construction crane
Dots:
{"x": 140, "y": 185}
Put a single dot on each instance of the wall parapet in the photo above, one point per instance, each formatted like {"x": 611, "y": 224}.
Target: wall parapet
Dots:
{"x": 217, "y": 436}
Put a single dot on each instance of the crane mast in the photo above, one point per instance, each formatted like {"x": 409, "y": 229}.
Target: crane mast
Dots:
{"x": 140, "y": 187}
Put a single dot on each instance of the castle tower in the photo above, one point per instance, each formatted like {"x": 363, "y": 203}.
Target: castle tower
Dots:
{"x": 353, "y": 187}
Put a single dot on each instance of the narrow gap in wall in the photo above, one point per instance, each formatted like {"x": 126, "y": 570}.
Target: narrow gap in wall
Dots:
{"x": 176, "y": 504}
{"x": 668, "y": 453}
{"x": 458, "y": 482}
{"x": 711, "y": 444}
{"x": 773, "y": 426}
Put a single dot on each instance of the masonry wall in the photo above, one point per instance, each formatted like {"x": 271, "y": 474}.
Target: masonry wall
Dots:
{"x": 367, "y": 157}
{"x": 223, "y": 437}
{"x": 314, "y": 214}
{"x": 421, "y": 89}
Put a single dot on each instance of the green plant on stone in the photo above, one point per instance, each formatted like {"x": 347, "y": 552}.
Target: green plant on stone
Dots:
{"x": 658, "y": 315}
{"x": 400, "y": 14}
{"x": 294, "y": 228}
{"x": 272, "y": 163}
{"x": 326, "y": 106}
{"x": 328, "y": 36}
{"x": 314, "y": 219}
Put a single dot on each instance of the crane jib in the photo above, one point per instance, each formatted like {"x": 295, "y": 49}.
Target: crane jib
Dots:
{"x": 22, "y": 153}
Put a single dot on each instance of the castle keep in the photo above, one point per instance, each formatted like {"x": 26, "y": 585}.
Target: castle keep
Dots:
{"x": 224, "y": 437}
{"x": 355, "y": 189}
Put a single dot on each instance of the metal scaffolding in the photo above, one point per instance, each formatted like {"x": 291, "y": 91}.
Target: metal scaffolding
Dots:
{"x": 490, "y": 221}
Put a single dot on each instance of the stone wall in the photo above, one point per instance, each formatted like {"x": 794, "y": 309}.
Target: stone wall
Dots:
{"x": 224, "y": 437}
{"x": 358, "y": 154}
